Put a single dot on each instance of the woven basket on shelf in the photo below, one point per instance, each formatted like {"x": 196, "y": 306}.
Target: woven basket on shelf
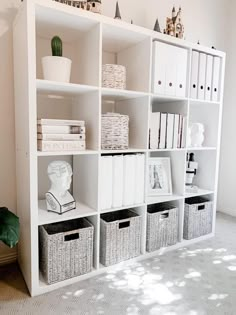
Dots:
{"x": 120, "y": 236}
{"x": 114, "y": 76}
{"x": 162, "y": 226}
{"x": 115, "y": 131}
{"x": 66, "y": 249}
{"x": 198, "y": 216}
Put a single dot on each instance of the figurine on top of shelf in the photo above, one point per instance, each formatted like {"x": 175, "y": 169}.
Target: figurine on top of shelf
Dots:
{"x": 157, "y": 26}
{"x": 191, "y": 171}
{"x": 117, "y": 14}
{"x": 174, "y": 25}
{"x": 94, "y": 6}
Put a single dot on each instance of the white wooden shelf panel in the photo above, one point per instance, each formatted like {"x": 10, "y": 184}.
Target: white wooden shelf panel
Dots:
{"x": 131, "y": 150}
{"x": 159, "y": 199}
{"x": 59, "y": 153}
{"x": 201, "y": 192}
{"x": 46, "y": 217}
{"x": 167, "y": 150}
{"x": 202, "y": 148}
{"x": 123, "y": 208}
{"x": 120, "y": 95}
{"x": 167, "y": 99}
{"x": 58, "y": 88}
{"x": 199, "y": 102}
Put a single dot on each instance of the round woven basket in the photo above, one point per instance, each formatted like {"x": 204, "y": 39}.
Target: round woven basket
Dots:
{"x": 114, "y": 76}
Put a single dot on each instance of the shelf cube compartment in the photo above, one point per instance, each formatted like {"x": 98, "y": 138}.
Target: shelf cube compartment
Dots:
{"x": 131, "y": 50}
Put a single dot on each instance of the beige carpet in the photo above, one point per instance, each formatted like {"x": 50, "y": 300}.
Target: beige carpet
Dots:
{"x": 199, "y": 280}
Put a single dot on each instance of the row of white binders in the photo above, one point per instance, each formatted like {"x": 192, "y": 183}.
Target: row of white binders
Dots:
{"x": 60, "y": 135}
{"x": 167, "y": 131}
{"x": 205, "y": 77}
{"x": 122, "y": 180}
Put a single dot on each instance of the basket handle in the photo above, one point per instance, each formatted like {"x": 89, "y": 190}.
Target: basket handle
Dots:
{"x": 165, "y": 215}
{"x": 71, "y": 237}
{"x": 124, "y": 224}
{"x": 201, "y": 207}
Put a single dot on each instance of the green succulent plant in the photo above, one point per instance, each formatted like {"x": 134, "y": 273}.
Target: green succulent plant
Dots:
{"x": 56, "y": 45}
{"x": 9, "y": 227}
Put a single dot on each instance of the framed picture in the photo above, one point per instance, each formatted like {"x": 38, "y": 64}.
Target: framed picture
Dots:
{"x": 159, "y": 173}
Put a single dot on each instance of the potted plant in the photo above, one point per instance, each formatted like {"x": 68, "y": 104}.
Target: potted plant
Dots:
{"x": 9, "y": 227}
{"x": 56, "y": 67}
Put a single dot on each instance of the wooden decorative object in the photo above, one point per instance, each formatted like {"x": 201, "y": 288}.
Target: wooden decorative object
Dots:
{"x": 174, "y": 25}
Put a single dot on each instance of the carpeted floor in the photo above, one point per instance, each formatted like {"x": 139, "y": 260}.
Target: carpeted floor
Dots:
{"x": 199, "y": 280}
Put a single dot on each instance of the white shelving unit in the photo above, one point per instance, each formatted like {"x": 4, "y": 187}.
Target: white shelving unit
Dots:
{"x": 91, "y": 40}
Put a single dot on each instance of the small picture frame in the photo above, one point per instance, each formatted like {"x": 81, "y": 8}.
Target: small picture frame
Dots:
{"x": 159, "y": 177}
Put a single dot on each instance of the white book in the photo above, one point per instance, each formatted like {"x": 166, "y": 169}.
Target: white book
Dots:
{"x": 170, "y": 131}
{"x": 194, "y": 74}
{"x": 60, "y": 137}
{"x": 216, "y": 79}
{"x": 162, "y": 143}
{"x": 106, "y": 182}
{"x": 154, "y": 130}
{"x": 176, "y": 131}
{"x": 45, "y": 129}
{"x": 209, "y": 72}
{"x": 129, "y": 180}
{"x": 54, "y": 146}
{"x": 117, "y": 187}
{"x": 202, "y": 76}
{"x": 139, "y": 178}
{"x": 180, "y": 131}
{"x": 61, "y": 122}
{"x": 184, "y": 132}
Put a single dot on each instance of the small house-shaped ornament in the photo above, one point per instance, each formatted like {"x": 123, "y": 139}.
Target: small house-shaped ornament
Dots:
{"x": 82, "y": 4}
{"x": 94, "y": 6}
{"x": 174, "y": 25}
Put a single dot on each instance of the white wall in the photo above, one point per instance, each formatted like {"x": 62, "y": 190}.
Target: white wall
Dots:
{"x": 204, "y": 21}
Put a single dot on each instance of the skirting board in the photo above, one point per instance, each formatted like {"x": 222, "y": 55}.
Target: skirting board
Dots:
{"x": 8, "y": 259}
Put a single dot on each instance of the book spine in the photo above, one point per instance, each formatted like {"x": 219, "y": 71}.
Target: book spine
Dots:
{"x": 53, "y": 146}
{"x": 61, "y": 122}
{"x": 61, "y": 137}
{"x": 46, "y": 129}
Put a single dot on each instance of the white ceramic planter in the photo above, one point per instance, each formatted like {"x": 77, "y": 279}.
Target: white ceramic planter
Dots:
{"x": 56, "y": 68}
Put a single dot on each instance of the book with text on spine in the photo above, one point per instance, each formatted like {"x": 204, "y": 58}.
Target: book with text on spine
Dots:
{"x": 61, "y": 122}
{"x": 61, "y": 137}
{"x": 54, "y": 146}
{"x": 46, "y": 129}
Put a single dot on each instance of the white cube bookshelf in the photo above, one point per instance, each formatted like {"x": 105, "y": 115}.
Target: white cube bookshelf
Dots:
{"x": 91, "y": 40}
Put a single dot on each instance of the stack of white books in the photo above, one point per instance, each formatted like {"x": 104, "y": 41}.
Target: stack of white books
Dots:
{"x": 167, "y": 131}
{"x": 122, "y": 180}
{"x": 60, "y": 135}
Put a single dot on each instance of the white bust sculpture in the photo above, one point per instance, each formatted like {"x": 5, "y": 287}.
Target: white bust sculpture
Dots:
{"x": 197, "y": 136}
{"x": 58, "y": 198}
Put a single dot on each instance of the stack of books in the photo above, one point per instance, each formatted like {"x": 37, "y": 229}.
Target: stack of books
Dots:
{"x": 60, "y": 135}
{"x": 167, "y": 131}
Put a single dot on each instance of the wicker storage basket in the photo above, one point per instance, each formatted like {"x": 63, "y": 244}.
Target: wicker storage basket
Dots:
{"x": 66, "y": 249}
{"x": 114, "y": 76}
{"x": 115, "y": 131}
{"x": 120, "y": 236}
{"x": 197, "y": 217}
{"x": 162, "y": 226}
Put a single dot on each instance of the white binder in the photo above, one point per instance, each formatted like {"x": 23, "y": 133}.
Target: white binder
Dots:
{"x": 139, "y": 179}
{"x": 184, "y": 132}
{"x": 171, "y": 70}
{"x": 209, "y": 72}
{"x": 216, "y": 80}
{"x": 202, "y": 76}
{"x": 162, "y": 143}
{"x": 154, "y": 130}
{"x": 159, "y": 50}
{"x": 117, "y": 187}
{"x": 194, "y": 74}
{"x": 129, "y": 180}
{"x": 106, "y": 182}
{"x": 170, "y": 131}
{"x": 176, "y": 131}
{"x": 181, "y": 56}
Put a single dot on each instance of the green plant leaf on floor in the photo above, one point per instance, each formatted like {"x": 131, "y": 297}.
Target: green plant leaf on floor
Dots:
{"x": 9, "y": 227}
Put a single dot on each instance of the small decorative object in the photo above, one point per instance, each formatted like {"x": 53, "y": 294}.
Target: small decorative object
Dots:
{"x": 58, "y": 198}
{"x": 160, "y": 181}
{"x": 196, "y": 132}
{"x": 56, "y": 67}
{"x": 132, "y": 22}
{"x": 191, "y": 171}
{"x": 115, "y": 131}
{"x": 114, "y": 76}
{"x": 174, "y": 25}
{"x": 94, "y": 6}
{"x": 213, "y": 47}
{"x": 117, "y": 15}
{"x": 157, "y": 26}
{"x": 9, "y": 228}
{"x": 198, "y": 42}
